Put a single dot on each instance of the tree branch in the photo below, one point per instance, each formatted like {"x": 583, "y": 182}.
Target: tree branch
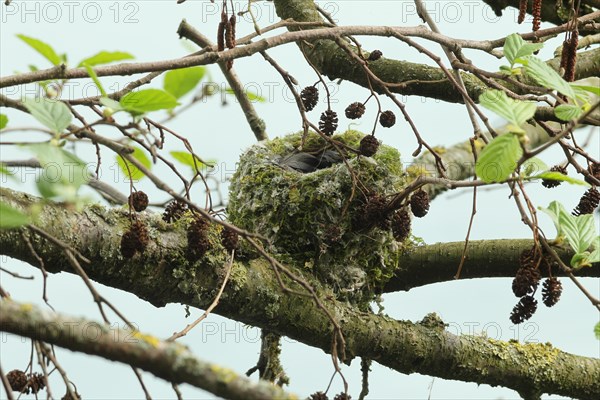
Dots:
{"x": 253, "y": 296}
{"x": 485, "y": 259}
{"x": 167, "y": 360}
{"x": 422, "y": 80}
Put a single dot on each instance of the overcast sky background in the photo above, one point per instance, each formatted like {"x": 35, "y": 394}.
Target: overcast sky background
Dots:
{"x": 147, "y": 30}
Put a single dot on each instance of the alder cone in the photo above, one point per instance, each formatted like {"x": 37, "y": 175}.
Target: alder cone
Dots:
{"x": 329, "y": 122}
{"x": 355, "y": 110}
{"x": 17, "y": 380}
{"x": 138, "y": 200}
{"x": 588, "y": 202}
{"x": 173, "y": 211}
{"x": 524, "y": 310}
{"x": 419, "y": 203}
{"x": 229, "y": 239}
{"x": 551, "y": 291}
{"x": 309, "y": 96}
{"x": 369, "y": 146}
{"x": 387, "y": 119}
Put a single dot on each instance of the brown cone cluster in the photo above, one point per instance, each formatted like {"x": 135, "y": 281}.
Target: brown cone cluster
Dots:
{"x": 229, "y": 239}
{"x": 318, "y": 396}
{"x": 593, "y": 170}
{"x": 387, "y": 119}
{"x": 551, "y": 183}
{"x": 401, "y": 225}
{"x": 135, "y": 239}
{"x": 17, "y": 380}
{"x": 419, "y": 203}
{"x": 310, "y": 97}
{"x": 524, "y": 309}
{"x": 342, "y": 396}
{"x": 588, "y": 202}
{"x": 369, "y": 146}
{"x": 373, "y": 213}
{"x": 328, "y": 122}
{"x": 197, "y": 238}
{"x": 355, "y": 110}
{"x": 20, "y": 382}
{"x": 173, "y": 211}
{"x": 526, "y": 281}
{"x": 551, "y": 291}
{"x": 138, "y": 201}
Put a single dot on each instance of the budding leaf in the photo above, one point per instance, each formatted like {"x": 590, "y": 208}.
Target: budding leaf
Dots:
{"x": 148, "y": 100}
{"x": 130, "y": 170}
{"x": 179, "y": 82}
{"x": 513, "y": 110}
{"x": 568, "y": 112}
{"x": 499, "y": 158}
{"x": 545, "y": 76}
{"x": 54, "y": 114}
{"x": 43, "y": 48}
{"x": 106, "y": 57}
{"x": 515, "y": 47}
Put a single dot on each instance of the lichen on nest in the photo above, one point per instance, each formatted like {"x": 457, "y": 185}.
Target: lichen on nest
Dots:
{"x": 310, "y": 218}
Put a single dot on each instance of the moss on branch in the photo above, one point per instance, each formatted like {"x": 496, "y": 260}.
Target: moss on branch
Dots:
{"x": 253, "y": 296}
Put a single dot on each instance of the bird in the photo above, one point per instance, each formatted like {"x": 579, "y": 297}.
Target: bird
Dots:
{"x": 307, "y": 162}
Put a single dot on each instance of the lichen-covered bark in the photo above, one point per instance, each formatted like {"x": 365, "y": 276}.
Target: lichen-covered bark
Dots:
{"x": 168, "y": 360}
{"x": 425, "y": 80}
{"x": 253, "y": 296}
{"x": 549, "y": 11}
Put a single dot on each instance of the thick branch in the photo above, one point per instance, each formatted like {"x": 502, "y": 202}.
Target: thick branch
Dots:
{"x": 422, "y": 80}
{"x": 253, "y": 296}
{"x": 167, "y": 360}
{"x": 486, "y": 259}
{"x": 549, "y": 11}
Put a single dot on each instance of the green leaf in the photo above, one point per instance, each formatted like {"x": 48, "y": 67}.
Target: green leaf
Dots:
{"x": 43, "y": 48}
{"x": 499, "y": 158}
{"x": 179, "y": 82}
{"x": 533, "y": 165}
{"x": 251, "y": 95}
{"x": 513, "y": 110}
{"x": 579, "y": 231}
{"x": 597, "y": 330}
{"x": 3, "y": 121}
{"x": 11, "y": 217}
{"x": 148, "y": 100}
{"x": 568, "y": 112}
{"x": 580, "y": 260}
{"x": 130, "y": 170}
{"x": 94, "y": 77}
{"x": 64, "y": 172}
{"x": 515, "y": 47}
{"x": 592, "y": 89}
{"x": 106, "y": 57}
{"x": 557, "y": 176}
{"x": 554, "y": 210}
{"x": 545, "y": 76}
{"x": 186, "y": 158}
{"x": 54, "y": 114}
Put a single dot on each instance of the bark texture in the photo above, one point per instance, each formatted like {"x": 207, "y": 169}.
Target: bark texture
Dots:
{"x": 253, "y": 296}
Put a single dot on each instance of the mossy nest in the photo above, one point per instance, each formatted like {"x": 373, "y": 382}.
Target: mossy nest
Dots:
{"x": 310, "y": 218}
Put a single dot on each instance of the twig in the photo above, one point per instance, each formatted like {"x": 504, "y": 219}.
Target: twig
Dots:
{"x": 215, "y": 302}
